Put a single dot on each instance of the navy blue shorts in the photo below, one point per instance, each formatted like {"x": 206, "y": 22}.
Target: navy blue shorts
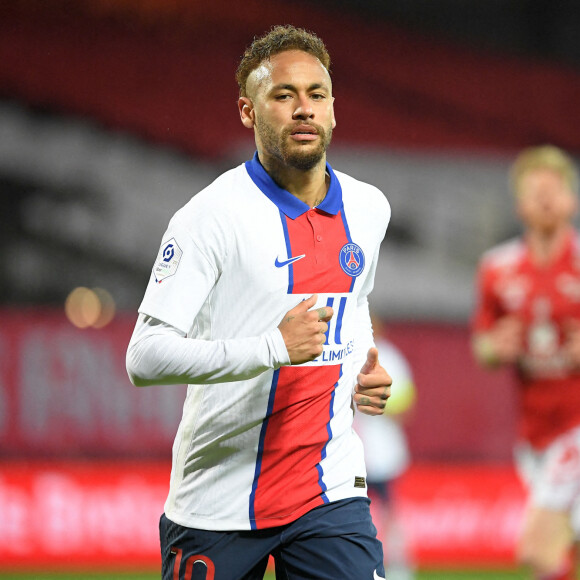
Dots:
{"x": 335, "y": 541}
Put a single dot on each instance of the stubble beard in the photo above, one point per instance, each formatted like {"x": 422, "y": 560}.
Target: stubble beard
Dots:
{"x": 294, "y": 154}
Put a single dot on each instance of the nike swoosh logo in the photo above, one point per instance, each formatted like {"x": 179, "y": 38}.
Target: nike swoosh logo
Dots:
{"x": 279, "y": 264}
{"x": 377, "y": 577}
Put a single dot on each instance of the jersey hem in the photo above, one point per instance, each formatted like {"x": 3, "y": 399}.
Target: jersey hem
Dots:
{"x": 224, "y": 525}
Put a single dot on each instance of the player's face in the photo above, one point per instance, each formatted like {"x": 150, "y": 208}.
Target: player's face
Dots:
{"x": 544, "y": 200}
{"x": 291, "y": 111}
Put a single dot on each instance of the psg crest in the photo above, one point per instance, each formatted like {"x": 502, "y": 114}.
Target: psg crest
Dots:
{"x": 352, "y": 259}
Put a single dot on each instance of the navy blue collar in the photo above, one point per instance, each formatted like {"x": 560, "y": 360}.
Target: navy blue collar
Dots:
{"x": 288, "y": 203}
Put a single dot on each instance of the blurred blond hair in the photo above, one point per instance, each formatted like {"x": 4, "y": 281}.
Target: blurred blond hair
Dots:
{"x": 544, "y": 157}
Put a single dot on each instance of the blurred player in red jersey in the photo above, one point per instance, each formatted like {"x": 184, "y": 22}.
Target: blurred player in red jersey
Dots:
{"x": 528, "y": 316}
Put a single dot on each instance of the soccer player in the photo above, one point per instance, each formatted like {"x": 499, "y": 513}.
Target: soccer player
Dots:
{"x": 528, "y": 316}
{"x": 258, "y": 300}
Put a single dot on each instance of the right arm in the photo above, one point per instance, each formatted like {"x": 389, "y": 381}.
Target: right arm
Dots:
{"x": 497, "y": 337}
{"x": 500, "y": 345}
{"x": 189, "y": 264}
{"x": 160, "y": 354}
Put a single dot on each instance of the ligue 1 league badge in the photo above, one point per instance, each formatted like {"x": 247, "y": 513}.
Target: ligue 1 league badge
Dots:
{"x": 352, "y": 259}
{"x": 167, "y": 260}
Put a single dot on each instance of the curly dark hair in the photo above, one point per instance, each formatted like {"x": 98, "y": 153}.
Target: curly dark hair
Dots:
{"x": 279, "y": 39}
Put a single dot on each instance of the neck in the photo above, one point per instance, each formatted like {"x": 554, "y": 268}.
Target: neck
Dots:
{"x": 546, "y": 246}
{"x": 310, "y": 186}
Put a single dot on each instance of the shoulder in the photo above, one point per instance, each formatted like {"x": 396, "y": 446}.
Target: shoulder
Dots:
{"x": 365, "y": 199}
{"x": 355, "y": 187}
{"x": 225, "y": 202}
{"x": 219, "y": 193}
{"x": 207, "y": 220}
{"x": 506, "y": 255}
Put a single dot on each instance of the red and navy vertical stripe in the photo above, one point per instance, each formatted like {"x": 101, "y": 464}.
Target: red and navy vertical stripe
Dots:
{"x": 288, "y": 478}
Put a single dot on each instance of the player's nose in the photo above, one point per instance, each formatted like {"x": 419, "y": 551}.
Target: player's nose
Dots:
{"x": 304, "y": 109}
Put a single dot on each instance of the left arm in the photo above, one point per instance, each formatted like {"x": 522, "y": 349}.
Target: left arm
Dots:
{"x": 572, "y": 344}
{"x": 373, "y": 383}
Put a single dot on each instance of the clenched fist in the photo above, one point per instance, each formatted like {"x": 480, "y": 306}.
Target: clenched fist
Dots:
{"x": 304, "y": 330}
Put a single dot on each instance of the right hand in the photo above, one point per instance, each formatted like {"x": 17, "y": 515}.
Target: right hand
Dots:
{"x": 304, "y": 330}
{"x": 502, "y": 344}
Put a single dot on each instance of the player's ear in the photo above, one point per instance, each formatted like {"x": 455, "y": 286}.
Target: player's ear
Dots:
{"x": 333, "y": 117}
{"x": 246, "y": 109}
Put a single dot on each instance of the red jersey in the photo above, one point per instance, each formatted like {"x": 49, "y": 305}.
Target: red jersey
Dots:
{"x": 546, "y": 299}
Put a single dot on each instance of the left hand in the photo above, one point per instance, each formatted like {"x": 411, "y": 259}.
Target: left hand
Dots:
{"x": 373, "y": 387}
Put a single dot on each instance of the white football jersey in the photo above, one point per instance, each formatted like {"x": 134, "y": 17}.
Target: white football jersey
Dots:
{"x": 262, "y": 442}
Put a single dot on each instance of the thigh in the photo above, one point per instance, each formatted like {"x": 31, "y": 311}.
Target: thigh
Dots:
{"x": 546, "y": 539}
{"x": 336, "y": 541}
{"x": 557, "y": 486}
{"x": 553, "y": 477}
{"x": 191, "y": 554}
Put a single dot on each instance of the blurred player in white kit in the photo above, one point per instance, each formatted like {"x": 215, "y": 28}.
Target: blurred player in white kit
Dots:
{"x": 387, "y": 454}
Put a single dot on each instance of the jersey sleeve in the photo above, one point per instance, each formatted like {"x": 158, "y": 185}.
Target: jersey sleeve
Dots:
{"x": 181, "y": 279}
{"x": 159, "y": 354}
{"x": 163, "y": 348}
{"x": 487, "y": 308}
{"x": 364, "y": 339}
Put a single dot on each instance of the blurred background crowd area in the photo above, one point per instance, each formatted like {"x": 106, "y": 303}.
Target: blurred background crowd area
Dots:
{"x": 113, "y": 113}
